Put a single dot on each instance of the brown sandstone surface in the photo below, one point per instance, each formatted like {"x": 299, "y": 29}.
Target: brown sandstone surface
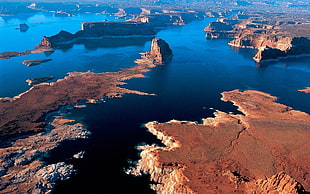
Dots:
{"x": 232, "y": 152}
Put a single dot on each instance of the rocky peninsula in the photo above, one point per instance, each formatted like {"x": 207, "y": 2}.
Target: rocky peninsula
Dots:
{"x": 306, "y": 90}
{"x": 21, "y": 170}
{"x": 263, "y": 150}
{"x": 273, "y": 35}
{"x": 24, "y": 112}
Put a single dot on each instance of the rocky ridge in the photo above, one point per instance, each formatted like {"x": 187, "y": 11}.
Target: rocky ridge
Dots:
{"x": 232, "y": 152}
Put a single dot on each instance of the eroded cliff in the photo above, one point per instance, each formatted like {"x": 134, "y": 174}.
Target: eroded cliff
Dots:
{"x": 274, "y": 35}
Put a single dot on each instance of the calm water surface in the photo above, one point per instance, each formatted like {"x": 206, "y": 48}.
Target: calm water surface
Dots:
{"x": 185, "y": 90}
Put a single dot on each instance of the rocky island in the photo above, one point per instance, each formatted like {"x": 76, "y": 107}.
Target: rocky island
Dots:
{"x": 263, "y": 150}
{"x": 10, "y": 54}
{"x": 20, "y": 167}
{"x": 274, "y": 35}
{"x": 34, "y": 62}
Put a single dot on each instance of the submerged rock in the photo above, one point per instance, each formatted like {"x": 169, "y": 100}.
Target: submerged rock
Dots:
{"x": 23, "y": 27}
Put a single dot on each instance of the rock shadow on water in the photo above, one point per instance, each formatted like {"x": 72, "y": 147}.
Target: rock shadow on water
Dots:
{"x": 105, "y": 42}
{"x": 285, "y": 61}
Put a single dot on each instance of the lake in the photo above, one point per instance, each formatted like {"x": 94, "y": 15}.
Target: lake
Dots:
{"x": 185, "y": 89}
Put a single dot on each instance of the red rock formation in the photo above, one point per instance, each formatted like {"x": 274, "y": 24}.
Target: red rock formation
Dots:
{"x": 160, "y": 52}
{"x": 232, "y": 152}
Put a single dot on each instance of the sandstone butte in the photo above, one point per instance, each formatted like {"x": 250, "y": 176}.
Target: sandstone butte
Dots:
{"x": 263, "y": 150}
{"x": 25, "y": 112}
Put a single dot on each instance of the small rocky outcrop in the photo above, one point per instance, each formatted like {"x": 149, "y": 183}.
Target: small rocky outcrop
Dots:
{"x": 38, "y": 80}
{"x": 79, "y": 155}
{"x": 34, "y": 62}
{"x": 160, "y": 52}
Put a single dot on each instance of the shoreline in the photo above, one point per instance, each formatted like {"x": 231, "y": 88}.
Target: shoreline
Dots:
{"x": 260, "y": 151}
{"x": 20, "y": 166}
{"x": 33, "y": 105}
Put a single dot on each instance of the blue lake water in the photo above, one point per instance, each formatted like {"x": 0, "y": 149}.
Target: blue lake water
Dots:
{"x": 186, "y": 88}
